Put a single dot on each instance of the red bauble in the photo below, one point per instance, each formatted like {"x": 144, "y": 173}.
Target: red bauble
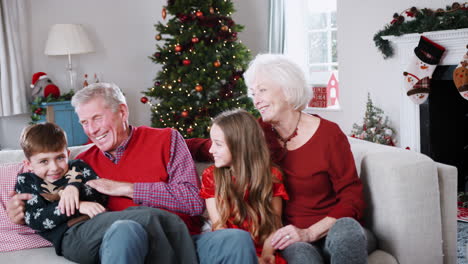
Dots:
{"x": 164, "y": 13}
{"x": 189, "y": 130}
{"x": 157, "y": 37}
{"x": 144, "y": 99}
{"x": 178, "y": 48}
{"x": 217, "y": 63}
{"x": 198, "y": 88}
{"x": 236, "y": 77}
{"x": 184, "y": 114}
{"x": 186, "y": 62}
{"x": 195, "y": 40}
{"x": 199, "y": 14}
{"x": 157, "y": 54}
{"x": 224, "y": 28}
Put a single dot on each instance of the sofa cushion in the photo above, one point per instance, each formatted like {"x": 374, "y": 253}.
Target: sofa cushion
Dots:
{"x": 13, "y": 236}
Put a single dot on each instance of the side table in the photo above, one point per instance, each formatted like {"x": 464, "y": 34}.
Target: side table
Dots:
{"x": 63, "y": 114}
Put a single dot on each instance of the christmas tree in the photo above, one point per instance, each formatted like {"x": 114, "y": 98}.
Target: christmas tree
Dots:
{"x": 374, "y": 128}
{"x": 202, "y": 66}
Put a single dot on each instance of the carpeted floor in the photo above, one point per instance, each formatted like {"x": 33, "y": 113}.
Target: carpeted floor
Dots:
{"x": 462, "y": 240}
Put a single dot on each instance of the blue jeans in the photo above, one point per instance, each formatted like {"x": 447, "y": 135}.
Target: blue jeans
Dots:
{"x": 346, "y": 242}
{"x": 227, "y": 246}
{"x": 125, "y": 241}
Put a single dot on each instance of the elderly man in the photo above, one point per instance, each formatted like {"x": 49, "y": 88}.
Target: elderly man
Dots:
{"x": 145, "y": 166}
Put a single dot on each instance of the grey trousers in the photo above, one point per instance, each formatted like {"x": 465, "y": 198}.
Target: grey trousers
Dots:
{"x": 169, "y": 238}
{"x": 346, "y": 242}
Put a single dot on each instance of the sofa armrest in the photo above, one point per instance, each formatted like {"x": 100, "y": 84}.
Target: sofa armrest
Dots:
{"x": 448, "y": 179}
{"x": 402, "y": 191}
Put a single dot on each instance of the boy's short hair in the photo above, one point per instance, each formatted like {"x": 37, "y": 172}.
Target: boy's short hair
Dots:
{"x": 41, "y": 138}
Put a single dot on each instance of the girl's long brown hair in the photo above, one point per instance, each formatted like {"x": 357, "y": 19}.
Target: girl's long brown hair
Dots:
{"x": 249, "y": 176}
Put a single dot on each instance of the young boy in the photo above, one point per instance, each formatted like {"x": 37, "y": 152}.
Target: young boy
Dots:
{"x": 62, "y": 201}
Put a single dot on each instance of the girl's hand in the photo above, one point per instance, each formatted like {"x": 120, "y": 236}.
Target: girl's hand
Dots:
{"x": 289, "y": 234}
{"x": 69, "y": 200}
{"x": 91, "y": 208}
{"x": 266, "y": 259}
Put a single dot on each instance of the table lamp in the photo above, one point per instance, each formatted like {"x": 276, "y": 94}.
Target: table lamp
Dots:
{"x": 68, "y": 39}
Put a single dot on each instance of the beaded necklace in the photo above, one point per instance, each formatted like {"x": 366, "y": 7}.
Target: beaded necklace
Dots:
{"x": 293, "y": 134}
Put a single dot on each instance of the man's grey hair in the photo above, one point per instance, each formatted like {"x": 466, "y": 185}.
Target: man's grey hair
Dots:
{"x": 110, "y": 92}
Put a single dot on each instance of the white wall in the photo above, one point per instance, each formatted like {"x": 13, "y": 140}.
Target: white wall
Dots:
{"x": 123, "y": 34}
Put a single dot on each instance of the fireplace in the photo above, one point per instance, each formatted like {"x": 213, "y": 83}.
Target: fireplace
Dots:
{"x": 444, "y": 124}
{"x": 433, "y": 127}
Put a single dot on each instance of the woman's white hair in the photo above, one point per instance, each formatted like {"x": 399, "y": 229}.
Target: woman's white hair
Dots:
{"x": 284, "y": 72}
{"x": 111, "y": 93}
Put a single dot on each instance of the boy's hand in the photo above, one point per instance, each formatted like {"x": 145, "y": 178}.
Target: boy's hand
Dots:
{"x": 69, "y": 200}
{"x": 91, "y": 208}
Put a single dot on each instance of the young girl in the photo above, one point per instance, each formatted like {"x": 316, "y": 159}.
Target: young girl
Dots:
{"x": 243, "y": 190}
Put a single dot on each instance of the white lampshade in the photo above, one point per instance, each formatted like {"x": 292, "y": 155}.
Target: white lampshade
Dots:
{"x": 66, "y": 39}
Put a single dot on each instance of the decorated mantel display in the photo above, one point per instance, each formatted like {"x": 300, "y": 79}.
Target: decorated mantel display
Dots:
{"x": 420, "y": 68}
{"x": 421, "y": 20}
{"x": 42, "y": 85}
{"x": 460, "y": 76}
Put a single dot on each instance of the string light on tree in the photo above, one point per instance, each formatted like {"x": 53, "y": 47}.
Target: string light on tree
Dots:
{"x": 206, "y": 35}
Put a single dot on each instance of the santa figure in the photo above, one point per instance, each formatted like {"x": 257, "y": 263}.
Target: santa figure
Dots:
{"x": 41, "y": 85}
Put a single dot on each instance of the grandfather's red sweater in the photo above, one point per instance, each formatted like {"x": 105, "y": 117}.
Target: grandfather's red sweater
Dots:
{"x": 144, "y": 160}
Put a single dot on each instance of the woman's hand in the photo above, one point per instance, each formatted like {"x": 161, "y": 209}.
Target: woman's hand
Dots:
{"x": 69, "y": 200}
{"x": 91, "y": 208}
{"x": 287, "y": 235}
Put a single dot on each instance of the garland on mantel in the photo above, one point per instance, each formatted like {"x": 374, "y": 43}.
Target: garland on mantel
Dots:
{"x": 422, "y": 20}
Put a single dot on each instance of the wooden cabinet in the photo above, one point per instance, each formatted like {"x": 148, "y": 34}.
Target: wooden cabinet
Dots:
{"x": 63, "y": 114}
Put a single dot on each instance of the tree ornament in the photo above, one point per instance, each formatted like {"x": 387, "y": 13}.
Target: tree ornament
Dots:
{"x": 190, "y": 130}
{"x": 179, "y": 80}
{"x": 212, "y": 10}
{"x": 199, "y": 14}
{"x": 224, "y": 28}
{"x": 195, "y": 40}
{"x": 217, "y": 63}
{"x": 164, "y": 13}
{"x": 157, "y": 55}
{"x": 186, "y": 62}
{"x": 144, "y": 99}
{"x": 157, "y": 83}
{"x": 198, "y": 88}
{"x": 184, "y": 114}
{"x": 157, "y": 37}
{"x": 178, "y": 48}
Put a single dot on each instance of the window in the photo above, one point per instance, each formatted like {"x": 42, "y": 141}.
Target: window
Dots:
{"x": 311, "y": 40}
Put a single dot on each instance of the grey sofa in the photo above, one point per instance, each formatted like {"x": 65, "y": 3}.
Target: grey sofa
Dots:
{"x": 411, "y": 206}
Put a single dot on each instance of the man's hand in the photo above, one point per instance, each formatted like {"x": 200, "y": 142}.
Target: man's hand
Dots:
{"x": 69, "y": 200}
{"x": 91, "y": 208}
{"x": 113, "y": 188}
{"x": 15, "y": 207}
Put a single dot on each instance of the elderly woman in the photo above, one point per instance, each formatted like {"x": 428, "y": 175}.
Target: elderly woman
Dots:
{"x": 322, "y": 218}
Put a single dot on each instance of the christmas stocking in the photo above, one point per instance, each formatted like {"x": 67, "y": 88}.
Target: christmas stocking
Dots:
{"x": 419, "y": 71}
{"x": 460, "y": 77}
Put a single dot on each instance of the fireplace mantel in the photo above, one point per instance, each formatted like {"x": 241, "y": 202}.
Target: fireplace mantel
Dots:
{"x": 455, "y": 42}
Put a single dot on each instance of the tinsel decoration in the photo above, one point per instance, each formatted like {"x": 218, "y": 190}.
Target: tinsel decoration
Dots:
{"x": 419, "y": 21}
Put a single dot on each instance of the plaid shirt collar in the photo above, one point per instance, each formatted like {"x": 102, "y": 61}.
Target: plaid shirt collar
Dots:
{"x": 120, "y": 149}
